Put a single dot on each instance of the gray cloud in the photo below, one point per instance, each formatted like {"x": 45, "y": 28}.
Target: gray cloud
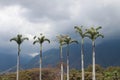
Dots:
{"x": 53, "y": 17}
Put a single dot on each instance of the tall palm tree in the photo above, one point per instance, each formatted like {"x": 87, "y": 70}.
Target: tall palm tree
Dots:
{"x": 93, "y": 34}
{"x": 68, "y": 41}
{"x": 19, "y": 39}
{"x": 83, "y": 35}
{"x": 61, "y": 42}
{"x": 40, "y": 40}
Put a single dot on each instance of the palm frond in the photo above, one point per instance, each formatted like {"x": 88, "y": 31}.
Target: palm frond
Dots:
{"x": 64, "y": 36}
{"x": 74, "y": 41}
{"x": 39, "y": 39}
{"x": 41, "y": 34}
{"x": 78, "y": 29}
{"x": 59, "y": 37}
{"x": 89, "y": 31}
{"x": 99, "y": 35}
{"x": 98, "y": 28}
{"x": 47, "y": 40}
{"x": 89, "y": 36}
{"x": 13, "y": 39}
{"x": 92, "y": 29}
{"x": 63, "y": 43}
{"x": 84, "y": 34}
{"x": 34, "y": 37}
{"x": 36, "y": 41}
{"x": 24, "y": 39}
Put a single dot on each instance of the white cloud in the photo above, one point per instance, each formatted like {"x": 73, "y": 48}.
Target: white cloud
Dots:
{"x": 12, "y": 20}
{"x": 10, "y": 17}
{"x": 33, "y": 54}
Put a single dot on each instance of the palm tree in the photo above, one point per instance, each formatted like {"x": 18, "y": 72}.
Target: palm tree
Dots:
{"x": 93, "y": 34}
{"x": 68, "y": 41}
{"x": 40, "y": 40}
{"x": 83, "y": 35}
{"x": 19, "y": 39}
{"x": 61, "y": 42}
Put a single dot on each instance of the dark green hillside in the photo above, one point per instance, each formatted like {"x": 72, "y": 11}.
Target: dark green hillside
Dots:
{"x": 107, "y": 54}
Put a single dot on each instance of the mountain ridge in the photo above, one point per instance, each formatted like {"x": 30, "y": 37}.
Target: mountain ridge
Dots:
{"x": 106, "y": 55}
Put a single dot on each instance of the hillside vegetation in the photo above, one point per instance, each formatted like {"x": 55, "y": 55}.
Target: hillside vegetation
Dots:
{"x": 110, "y": 73}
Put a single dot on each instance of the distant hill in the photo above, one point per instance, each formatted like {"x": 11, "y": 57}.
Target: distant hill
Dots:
{"x": 107, "y": 54}
{"x": 8, "y": 61}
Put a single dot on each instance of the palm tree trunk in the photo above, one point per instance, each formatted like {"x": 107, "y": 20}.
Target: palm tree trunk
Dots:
{"x": 40, "y": 61}
{"x": 18, "y": 63}
{"x": 82, "y": 59}
{"x": 93, "y": 46}
{"x": 68, "y": 62}
{"x": 61, "y": 57}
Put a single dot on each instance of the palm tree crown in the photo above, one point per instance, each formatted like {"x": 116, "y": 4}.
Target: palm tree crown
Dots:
{"x": 93, "y": 33}
{"x": 61, "y": 39}
{"x": 69, "y": 40}
{"x": 19, "y": 39}
{"x": 80, "y": 31}
{"x": 40, "y": 39}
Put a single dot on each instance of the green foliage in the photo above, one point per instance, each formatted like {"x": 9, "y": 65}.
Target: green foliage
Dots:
{"x": 75, "y": 74}
{"x": 98, "y": 68}
{"x": 33, "y": 74}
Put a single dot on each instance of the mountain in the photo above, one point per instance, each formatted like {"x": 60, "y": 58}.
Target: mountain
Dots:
{"x": 107, "y": 54}
{"x": 8, "y": 61}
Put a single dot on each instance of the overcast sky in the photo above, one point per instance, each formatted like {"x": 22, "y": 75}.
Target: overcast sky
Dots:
{"x": 53, "y": 17}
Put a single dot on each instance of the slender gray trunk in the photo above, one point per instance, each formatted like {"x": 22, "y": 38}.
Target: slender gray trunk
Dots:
{"x": 67, "y": 61}
{"x": 61, "y": 57}
{"x": 82, "y": 58}
{"x": 18, "y": 63}
{"x": 40, "y": 76}
{"x": 93, "y": 46}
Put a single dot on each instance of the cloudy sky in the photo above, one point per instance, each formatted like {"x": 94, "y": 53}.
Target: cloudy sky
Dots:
{"x": 53, "y": 17}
